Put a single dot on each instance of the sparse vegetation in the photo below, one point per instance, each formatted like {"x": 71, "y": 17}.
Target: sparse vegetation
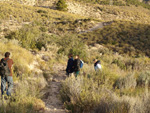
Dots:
{"x": 123, "y": 37}
{"x": 122, "y": 85}
{"x": 111, "y": 90}
{"x": 118, "y": 2}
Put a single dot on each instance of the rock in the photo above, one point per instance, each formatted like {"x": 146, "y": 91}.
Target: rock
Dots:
{"x": 45, "y": 58}
{"x": 33, "y": 52}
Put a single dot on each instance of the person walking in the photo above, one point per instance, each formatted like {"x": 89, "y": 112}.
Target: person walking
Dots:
{"x": 97, "y": 65}
{"x": 76, "y": 65}
{"x": 6, "y": 74}
{"x": 69, "y": 69}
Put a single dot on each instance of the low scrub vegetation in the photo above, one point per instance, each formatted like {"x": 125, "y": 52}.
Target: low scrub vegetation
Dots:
{"x": 113, "y": 89}
{"x": 118, "y": 2}
{"x": 123, "y": 37}
{"x": 84, "y": 94}
{"x": 23, "y": 13}
{"x": 120, "y": 87}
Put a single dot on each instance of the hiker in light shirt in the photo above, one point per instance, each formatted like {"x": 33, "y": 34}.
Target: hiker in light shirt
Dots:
{"x": 97, "y": 65}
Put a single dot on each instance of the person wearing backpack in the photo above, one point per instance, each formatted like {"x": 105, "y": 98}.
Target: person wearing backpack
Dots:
{"x": 97, "y": 65}
{"x": 6, "y": 74}
{"x": 69, "y": 69}
{"x": 76, "y": 65}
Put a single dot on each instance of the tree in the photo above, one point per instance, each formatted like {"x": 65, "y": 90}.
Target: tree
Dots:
{"x": 61, "y": 5}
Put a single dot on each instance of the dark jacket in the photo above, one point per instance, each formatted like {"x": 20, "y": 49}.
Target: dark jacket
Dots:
{"x": 69, "y": 68}
{"x": 76, "y": 65}
{"x": 98, "y": 62}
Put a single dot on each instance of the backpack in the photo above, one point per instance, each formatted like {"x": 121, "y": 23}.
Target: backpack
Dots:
{"x": 4, "y": 69}
{"x": 81, "y": 63}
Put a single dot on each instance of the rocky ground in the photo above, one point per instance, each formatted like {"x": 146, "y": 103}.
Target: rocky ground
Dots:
{"x": 51, "y": 98}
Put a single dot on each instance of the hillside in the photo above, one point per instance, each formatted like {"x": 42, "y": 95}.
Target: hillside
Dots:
{"x": 100, "y": 11}
{"x": 40, "y": 38}
{"x": 123, "y": 37}
{"x": 51, "y": 22}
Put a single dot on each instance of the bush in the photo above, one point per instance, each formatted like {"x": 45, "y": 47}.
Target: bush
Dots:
{"x": 61, "y": 5}
{"x": 71, "y": 44}
{"x": 144, "y": 79}
{"x": 27, "y": 36}
{"x": 31, "y": 37}
{"x": 112, "y": 106}
{"x": 129, "y": 81}
{"x": 80, "y": 95}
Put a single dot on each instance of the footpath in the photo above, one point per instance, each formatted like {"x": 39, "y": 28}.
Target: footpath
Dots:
{"x": 52, "y": 97}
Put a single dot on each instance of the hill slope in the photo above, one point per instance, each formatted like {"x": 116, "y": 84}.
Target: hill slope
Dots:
{"x": 40, "y": 39}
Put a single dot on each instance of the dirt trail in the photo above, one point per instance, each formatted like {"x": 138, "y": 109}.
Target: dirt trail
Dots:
{"x": 52, "y": 101}
{"x": 98, "y": 26}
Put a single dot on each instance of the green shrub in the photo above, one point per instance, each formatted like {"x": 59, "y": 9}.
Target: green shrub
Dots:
{"x": 27, "y": 36}
{"x": 31, "y": 36}
{"x": 61, "y": 5}
{"x": 71, "y": 44}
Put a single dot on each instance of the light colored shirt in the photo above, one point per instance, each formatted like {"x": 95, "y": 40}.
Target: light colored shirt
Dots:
{"x": 98, "y": 67}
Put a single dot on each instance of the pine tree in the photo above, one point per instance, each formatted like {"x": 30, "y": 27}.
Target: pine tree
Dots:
{"x": 61, "y": 5}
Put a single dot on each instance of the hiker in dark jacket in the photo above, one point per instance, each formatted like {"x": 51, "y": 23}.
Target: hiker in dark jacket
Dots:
{"x": 69, "y": 69}
{"x": 7, "y": 77}
{"x": 76, "y": 65}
